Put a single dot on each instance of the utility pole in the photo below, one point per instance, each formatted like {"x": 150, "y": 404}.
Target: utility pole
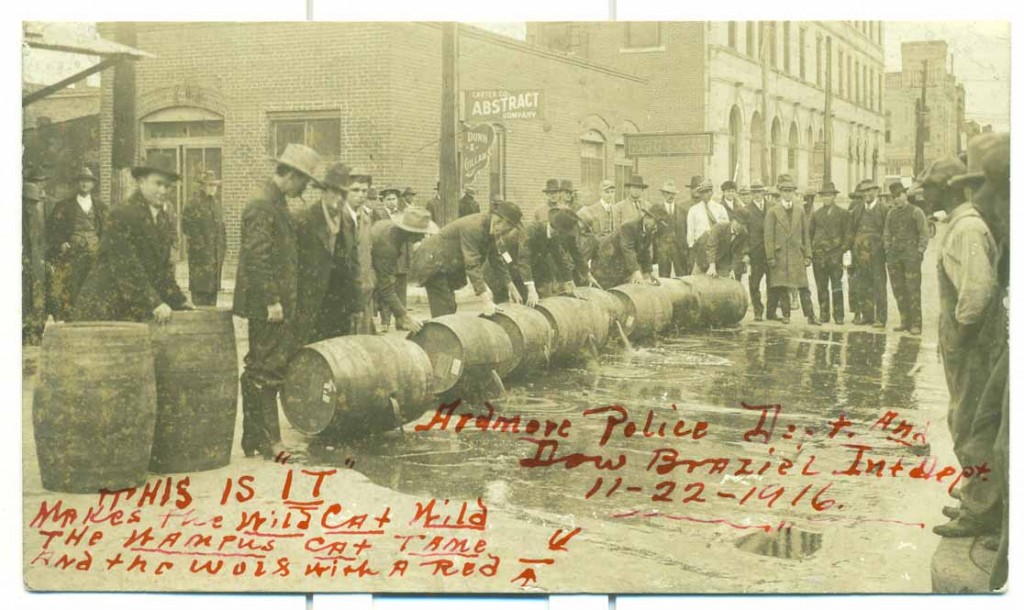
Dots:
{"x": 764, "y": 107}
{"x": 921, "y": 116}
{"x": 449, "y": 173}
{"x": 827, "y": 172}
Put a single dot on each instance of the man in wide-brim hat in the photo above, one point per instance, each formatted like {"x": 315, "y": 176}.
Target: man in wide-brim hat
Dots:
{"x": 627, "y": 254}
{"x": 631, "y": 207}
{"x": 266, "y": 294}
{"x": 552, "y": 198}
{"x": 869, "y": 280}
{"x": 407, "y": 199}
{"x": 203, "y": 224}
{"x": 829, "y": 233}
{"x": 457, "y": 255}
{"x": 74, "y": 229}
{"x": 391, "y": 251}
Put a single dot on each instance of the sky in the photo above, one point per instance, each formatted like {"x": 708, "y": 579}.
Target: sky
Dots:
{"x": 981, "y": 51}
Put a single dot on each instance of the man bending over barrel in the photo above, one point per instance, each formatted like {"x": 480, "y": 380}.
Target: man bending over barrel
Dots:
{"x": 392, "y": 243}
{"x": 266, "y": 292}
{"x": 625, "y": 255}
{"x": 133, "y": 279}
{"x": 460, "y": 250}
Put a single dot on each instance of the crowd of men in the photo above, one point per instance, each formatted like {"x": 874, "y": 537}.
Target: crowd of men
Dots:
{"x": 328, "y": 269}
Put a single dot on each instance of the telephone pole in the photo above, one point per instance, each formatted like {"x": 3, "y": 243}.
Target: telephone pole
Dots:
{"x": 449, "y": 173}
{"x": 827, "y": 172}
{"x": 922, "y": 126}
{"x": 764, "y": 106}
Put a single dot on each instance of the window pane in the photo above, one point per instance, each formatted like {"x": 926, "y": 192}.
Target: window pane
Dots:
{"x": 324, "y": 136}
{"x": 288, "y": 132}
{"x": 642, "y": 34}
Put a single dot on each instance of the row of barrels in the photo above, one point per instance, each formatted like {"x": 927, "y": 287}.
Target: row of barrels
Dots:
{"x": 348, "y": 387}
{"x": 117, "y": 400}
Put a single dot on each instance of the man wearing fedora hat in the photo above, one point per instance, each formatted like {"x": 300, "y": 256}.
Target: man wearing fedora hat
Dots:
{"x": 266, "y": 294}
{"x": 387, "y": 211}
{"x": 671, "y": 250}
{"x": 390, "y": 208}
{"x": 392, "y": 243}
{"x": 468, "y": 204}
{"x": 973, "y": 323}
{"x": 745, "y": 196}
{"x": 787, "y": 245}
{"x": 359, "y": 200}
{"x": 868, "y": 253}
{"x": 631, "y": 207}
{"x": 552, "y": 198}
{"x": 905, "y": 238}
{"x": 548, "y": 254}
{"x": 74, "y": 229}
{"x": 703, "y": 215}
{"x": 567, "y": 197}
{"x": 459, "y": 253}
{"x": 756, "y": 211}
{"x": 330, "y": 296}
{"x": 626, "y": 255}
{"x": 829, "y": 233}
{"x": 203, "y": 225}
{"x": 133, "y": 278}
{"x": 33, "y": 263}
{"x": 695, "y": 182}
{"x": 408, "y": 198}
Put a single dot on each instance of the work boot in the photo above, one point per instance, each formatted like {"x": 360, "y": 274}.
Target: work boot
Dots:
{"x": 757, "y": 317}
{"x": 901, "y": 328}
{"x": 878, "y": 324}
{"x": 785, "y": 320}
{"x": 839, "y": 321}
{"x": 915, "y": 330}
{"x": 270, "y": 428}
{"x": 963, "y": 526}
{"x": 857, "y": 319}
{"x": 812, "y": 321}
{"x": 951, "y": 512}
{"x": 825, "y": 318}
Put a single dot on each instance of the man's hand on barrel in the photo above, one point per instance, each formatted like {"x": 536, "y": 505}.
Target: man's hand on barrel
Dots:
{"x": 488, "y": 299}
{"x": 513, "y": 294}
{"x": 650, "y": 279}
{"x": 636, "y": 278}
{"x": 411, "y": 325}
{"x": 712, "y": 270}
{"x": 162, "y": 314}
{"x": 275, "y": 313}
{"x": 531, "y": 295}
{"x": 592, "y": 281}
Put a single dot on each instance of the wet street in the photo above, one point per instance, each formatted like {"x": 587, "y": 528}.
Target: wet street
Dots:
{"x": 875, "y": 536}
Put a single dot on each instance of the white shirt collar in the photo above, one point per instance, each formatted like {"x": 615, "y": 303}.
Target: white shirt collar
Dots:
{"x": 549, "y": 231}
{"x": 353, "y": 214}
{"x": 85, "y": 202}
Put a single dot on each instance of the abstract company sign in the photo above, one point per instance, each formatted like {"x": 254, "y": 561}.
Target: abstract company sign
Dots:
{"x": 475, "y": 146}
{"x": 489, "y": 105}
{"x": 668, "y": 144}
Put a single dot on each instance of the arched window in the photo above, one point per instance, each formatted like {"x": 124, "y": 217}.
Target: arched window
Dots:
{"x": 735, "y": 138}
{"x": 756, "y": 148}
{"x": 592, "y": 162}
{"x": 776, "y": 150}
{"x": 794, "y": 147}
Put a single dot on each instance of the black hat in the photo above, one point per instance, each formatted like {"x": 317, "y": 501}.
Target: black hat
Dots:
{"x": 510, "y": 212}
{"x": 636, "y": 180}
{"x": 408, "y": 191}
{"x": 658, "y": 212}
{"x": 695, "y": 182}
{"x": 565, "y": 186}
{"x": 337, "y": 176}
{"x": 158, "y": 164}
{"x": 552, "y": 186}
{"x": 828, "y": 188}
{"x": 563, "y": 219}
{"x": 728, "y": 185}
{"x": 384, "y": 192}
{"x": 897, "y": 187}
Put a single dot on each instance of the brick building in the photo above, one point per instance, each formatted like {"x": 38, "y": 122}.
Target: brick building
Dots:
{"x": 945, "y": 128}
{"x": 228, "y": 96}
{"x": 709, "y": 77}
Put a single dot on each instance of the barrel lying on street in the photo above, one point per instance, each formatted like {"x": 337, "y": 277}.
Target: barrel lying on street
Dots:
{"x": 648, "y": 309}
{"x": 94, "y": 408}
{"x": 531, "y": 337}
{"x": 196, "y": 365}
{"x": 722, "y": 301}
{"x": 685, "y": 302}
{"x": 465, "y": 351}
{"x": 349, "y": 387}
{"x": 578, "y": 326}
{"x": 613, "y": 305}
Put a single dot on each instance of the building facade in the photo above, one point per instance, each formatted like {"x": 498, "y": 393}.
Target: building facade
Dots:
{"x": 230, "y": 96}
{"x": 757, "y": 86}
{"x": 926, "y": 69}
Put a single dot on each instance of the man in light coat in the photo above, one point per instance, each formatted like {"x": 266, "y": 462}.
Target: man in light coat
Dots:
{"x": 787, "y": 244}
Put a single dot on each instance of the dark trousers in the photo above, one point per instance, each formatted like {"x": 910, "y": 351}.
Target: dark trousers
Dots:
{"x": 675, "y": 258}
{"x": 271, "y": 347}
{"x": 204, "y": 298}
{"x": 758, "y": 272}
{"x": 872, "y": 289}
{"x": 401, "y": 285}
{"x": 779, "y": 295}
{"x": 905, "y": 276}
{"x": 828, "y": 276}
{"x": 440, "y": 295}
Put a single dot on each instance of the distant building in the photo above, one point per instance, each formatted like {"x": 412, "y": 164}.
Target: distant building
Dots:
{"x": 945, "y": 129}
{"x": 61, "y": 133}
{"x": 709, "y": 77}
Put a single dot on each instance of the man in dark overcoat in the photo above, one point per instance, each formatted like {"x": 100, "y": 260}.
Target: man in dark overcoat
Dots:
{"x": 756, "y": 211}
{"x": 724, "y": 250}
{"x": 459, "y": 253}
{"x": 787, "y": 245}
{"x": 266, "y": 294}
{"x": 829, "y": 232}
{"x": 468, "y": 204}
{"x": 868, "y": 252}
{"x": 203, "y": 225}
{"x": 626, "y": 255}
{"x": 133, "y": 278}
{"x": 905, "y": 238}
{"x": 672, "y": 251}
{"x": 329, "y": 291}
{"x": 548, "y": 254}
{"x": 74, "y": 230}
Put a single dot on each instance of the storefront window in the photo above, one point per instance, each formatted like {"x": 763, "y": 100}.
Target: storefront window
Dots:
{"x": 321, "y": 132}
{"x": 592, "y": 159}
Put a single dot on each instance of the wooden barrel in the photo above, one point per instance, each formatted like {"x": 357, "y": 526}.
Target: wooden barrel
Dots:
{"x": 196, "y": 365}
{"x": 574, "y": 321}
{"x": 531, "y": 336}
{"x": 348, "y": 387}
{"x": 723, "y": 302}
{"x": 612, "y": 304}
{"x": 94, "y": 406}
{"x": 463, "y": 349}
{"x": 685, "y": 302}
{"x": 648, "y": 309}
